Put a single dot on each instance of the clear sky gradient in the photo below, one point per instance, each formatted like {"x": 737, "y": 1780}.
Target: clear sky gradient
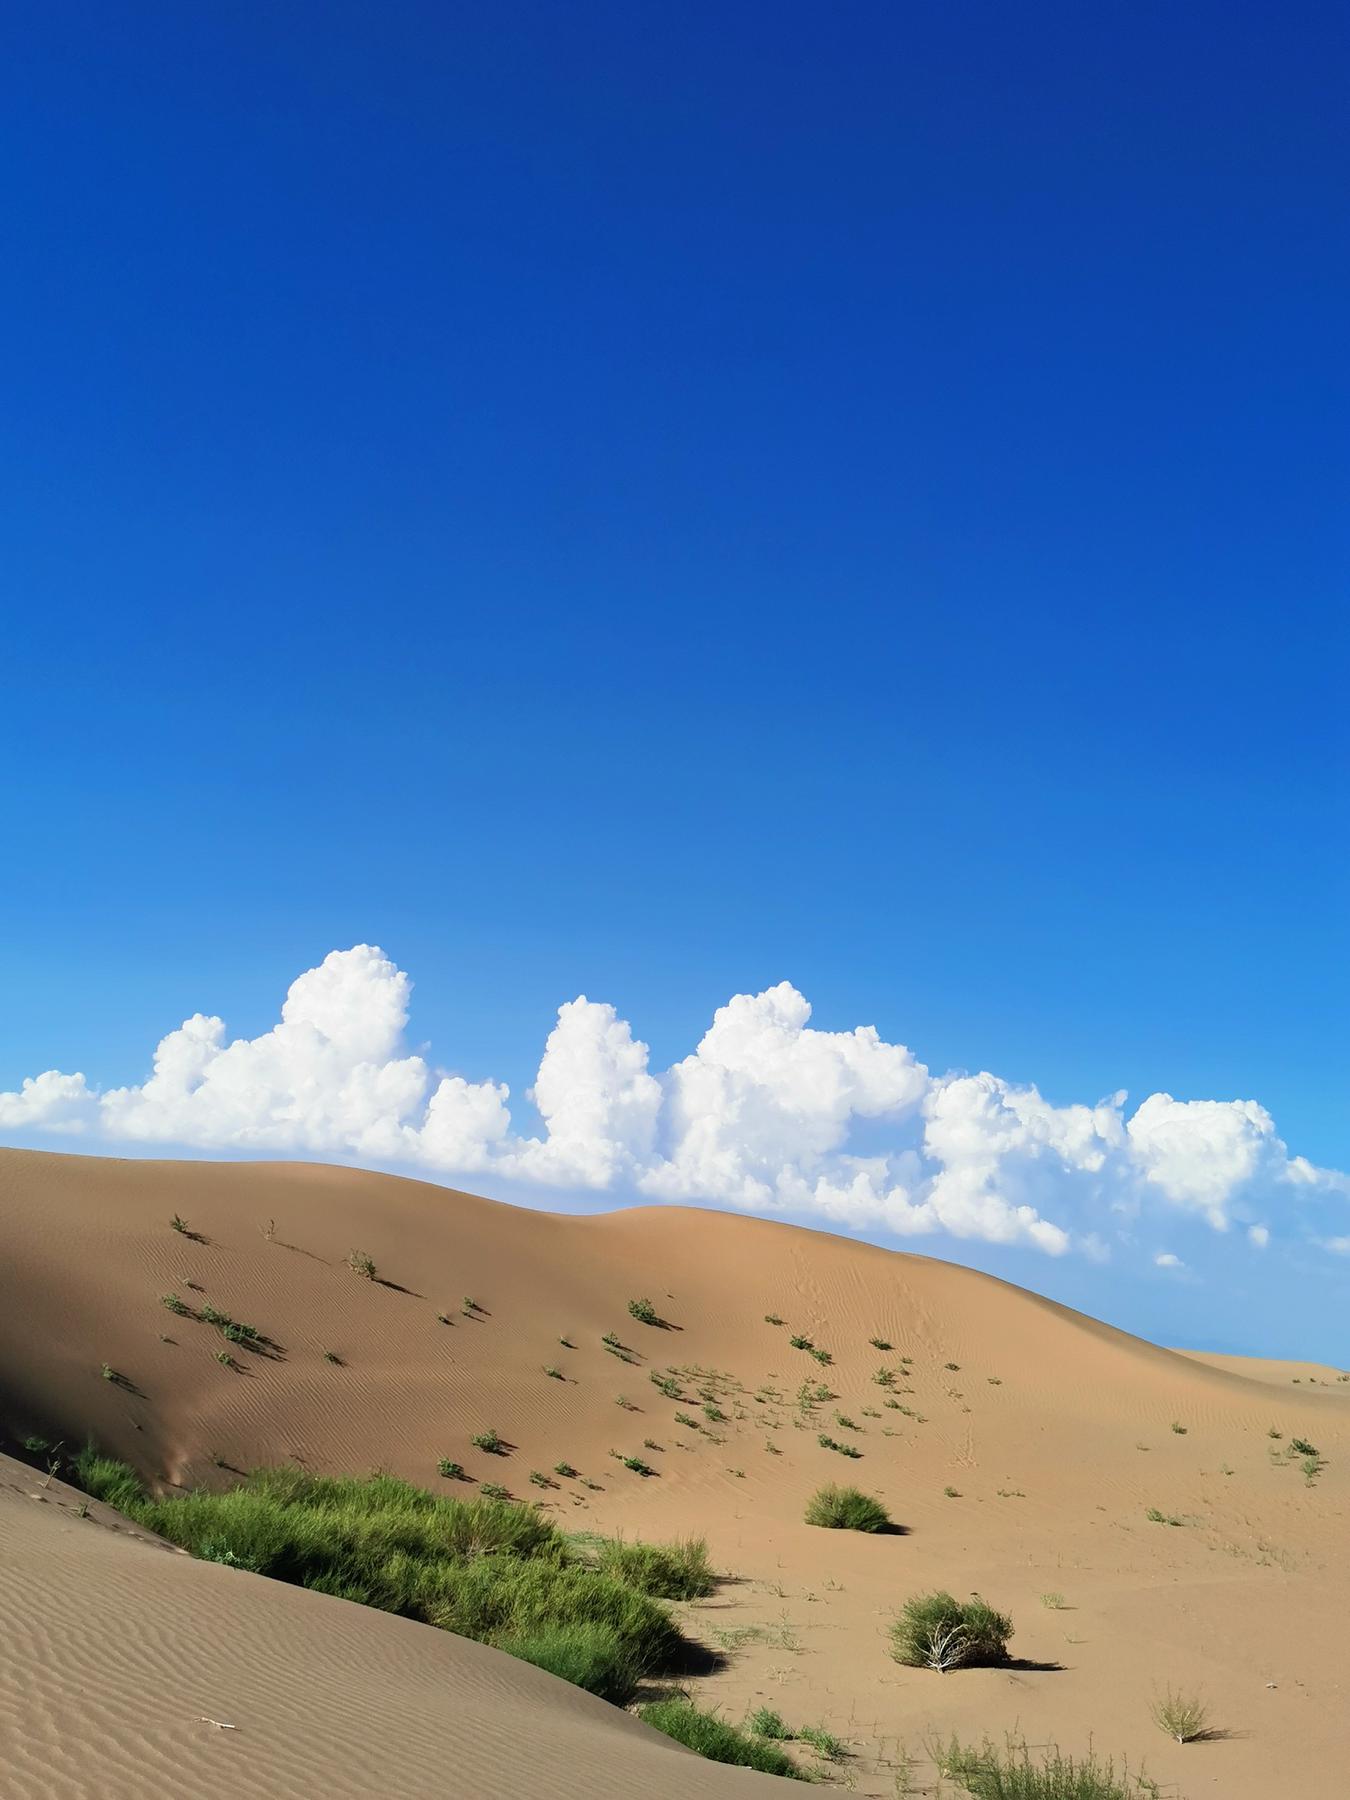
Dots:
{"x": 656, "y": 502}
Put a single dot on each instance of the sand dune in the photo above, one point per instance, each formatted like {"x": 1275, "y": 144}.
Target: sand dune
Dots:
{"x": 1054, "y": 1432}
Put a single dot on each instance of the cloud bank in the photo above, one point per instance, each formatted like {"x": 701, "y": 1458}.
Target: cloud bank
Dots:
{"x": 767, "y": 1114}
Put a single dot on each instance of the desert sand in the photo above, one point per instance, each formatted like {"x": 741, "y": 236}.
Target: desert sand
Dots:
{"x": 1054, "y": 1433}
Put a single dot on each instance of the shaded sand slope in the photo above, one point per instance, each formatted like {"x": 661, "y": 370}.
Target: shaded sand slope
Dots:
{"x": 118, "y": 1652}
{"x": 1054, "y": 1435}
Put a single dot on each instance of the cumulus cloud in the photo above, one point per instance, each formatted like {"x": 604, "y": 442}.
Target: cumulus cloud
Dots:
{"x": 1166, "y": 1260}
{"x": 769, "y": 1113}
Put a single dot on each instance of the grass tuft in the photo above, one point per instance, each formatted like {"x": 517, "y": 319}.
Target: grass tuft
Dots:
{"x": 710, "y": 1736}
{"x": 846, "y": 1509}
{"x": 937, "y": 1631}
{"x": 1182, "y": 1716}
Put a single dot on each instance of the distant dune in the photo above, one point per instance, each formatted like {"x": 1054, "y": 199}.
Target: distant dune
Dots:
{"x": 1054, "y": 1433}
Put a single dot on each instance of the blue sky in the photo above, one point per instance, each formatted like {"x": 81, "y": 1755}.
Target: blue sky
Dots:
{"x": 660, "y": 503}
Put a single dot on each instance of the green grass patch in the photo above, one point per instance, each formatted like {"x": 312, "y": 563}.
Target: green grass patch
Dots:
{"x": 846, "y": 1509}
{"x": 711, "y": 1736}
{"x": 988, "y": 1773}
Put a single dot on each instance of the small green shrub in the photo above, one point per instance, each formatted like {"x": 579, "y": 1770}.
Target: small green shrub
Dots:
{"x": 452, "y": 1471}
{"x": 1301, "y": 1447}
{"x": 772, "y": 1319}
{"x": 564, "y": 1469}
{"x": 1182, "y": 1716}
{"x": 493, "y": 1490}
{"x": 489, "y": 1441}
{"x": 360, "y": 1264}
{"x": 331, "y": 1356}
{"x": 636, "y": 1464}
{"x": 823, "y": 1742}
{"x": 177, "y": 1224}
{"x": 175, "y": 1305}
{"x": 937, "y": 1631}
{"x": 644, "y": 1312}
{"x": 822, "y": 1356}
{"x": 710, "y": 1736}
{"x": 764, "y": 1722}
{"x": 1178, "y": 1427}
{"x": 553, "y": 1370}
{"x": 879, "y": 1343}
{"x": 837, "y": 1508}
{"x": 800, "y": 1343}
{"x": 688, "y": 1421}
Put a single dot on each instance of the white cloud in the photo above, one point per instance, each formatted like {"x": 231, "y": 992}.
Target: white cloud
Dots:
{"x": 769, "y": 1113}
{"x": 1166, "y": 1260}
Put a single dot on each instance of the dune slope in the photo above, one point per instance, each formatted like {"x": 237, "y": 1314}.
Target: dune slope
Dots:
{"x": 129, "y": 1669}
{"x": 1020, "y": 1445}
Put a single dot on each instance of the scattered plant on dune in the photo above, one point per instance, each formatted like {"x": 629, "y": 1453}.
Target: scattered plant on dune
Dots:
{"x": 800, "y": 1343}
{"x": 937, "y": 1631}
{"x": 987, "y": 1773}
{"x": 564, "y": 1469}
{"x": 493, "y": 1490}
{"x": 823, "y": 1742}
{"x": 846, "y": 1509}
{"x": 452, "y": 1471}
{"x": 1178, "y": 1427}
{"x": 764, "y": 1722}
{"x": 826, "y": 1442}
{"x": 772, "y": 1319}
{"x": 644, "y": 1312}
{"x": 1301, "y": 1447}
{"x": 331, "y": 1356}
{"x": 360, "y": 1264}
{"x": 489, "y": 1441}
{"x": 179, "y": 1224}
{"x": 822, "y": 1356}
{"x": 878, "y": 1343}
{"x": 175, "y": 1305}
{"x": 1182, "y": 1716}
{"x": 713, "y": 1737}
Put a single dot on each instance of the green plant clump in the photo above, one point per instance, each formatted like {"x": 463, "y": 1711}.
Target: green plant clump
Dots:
{"x": 714, "y": 1738}
{"x": 936, "y": 1631}
{"x": 846, "y": 1509}
{"x": 644, "y": 1312}
{"x": 679, "y": 1570}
